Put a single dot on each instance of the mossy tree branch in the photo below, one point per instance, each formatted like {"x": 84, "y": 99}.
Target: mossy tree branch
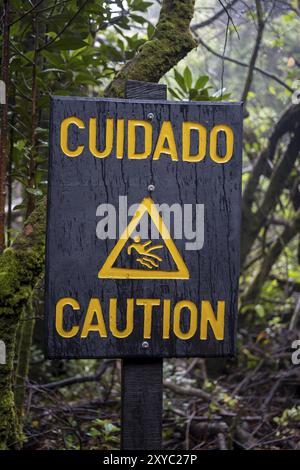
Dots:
{"x": 171, "y": 41}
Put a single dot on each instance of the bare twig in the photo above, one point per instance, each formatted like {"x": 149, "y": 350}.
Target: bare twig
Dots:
{"x": 4, "y": 120}
{"x": 34, "y": 118}
{"x": 26, "y": 13}
{"x": 260, "y": 30}
{"x": 213, "y": 18}
{"x": 295, "y": 316}
{"x": 245, "y": 64}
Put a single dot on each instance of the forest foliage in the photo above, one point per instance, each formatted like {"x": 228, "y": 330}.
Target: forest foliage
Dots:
{"x": 248, "y": 51}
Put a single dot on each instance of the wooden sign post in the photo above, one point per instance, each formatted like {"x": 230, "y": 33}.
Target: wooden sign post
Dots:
{"x": 142, "y": 379}
{"x": 143, "y": 238}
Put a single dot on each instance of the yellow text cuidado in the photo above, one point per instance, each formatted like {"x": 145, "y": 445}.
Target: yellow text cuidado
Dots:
{"x": 113, "y": 136}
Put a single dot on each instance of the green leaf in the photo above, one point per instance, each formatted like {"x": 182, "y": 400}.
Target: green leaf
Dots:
{"x": 188, "y": 78}
{"x": 52, "y": 70}
{"x": 138, "y": 19}
{"x": 19, "y": 207}
{"x": 34, "y": 191}
{"x": 272, "y": 90}
{"x": 193, "y": 93}
{"x": 173, "y": 93}
{"x": 150, "y": 30}
{"x": 201, "y": 82}
{"x": 52, "y": 58}
{"x": 68, "y": 43}
{"x": 180, "y": 80}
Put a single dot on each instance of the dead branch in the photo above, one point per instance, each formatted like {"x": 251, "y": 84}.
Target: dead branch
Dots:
{"x": 187, "y": 391}
{"x": 76, "y": 380}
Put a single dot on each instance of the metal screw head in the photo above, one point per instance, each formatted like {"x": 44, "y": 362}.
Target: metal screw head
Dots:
{"x": 145, "y": 345}
{"x": 150, "y": 116}
{"x": 151, "y": 187}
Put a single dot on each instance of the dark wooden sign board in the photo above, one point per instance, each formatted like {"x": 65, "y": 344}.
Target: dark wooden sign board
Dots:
{"x": 83, "y": 272}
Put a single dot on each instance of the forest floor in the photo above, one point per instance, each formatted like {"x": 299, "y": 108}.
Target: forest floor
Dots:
{"x": 249, "y": 402}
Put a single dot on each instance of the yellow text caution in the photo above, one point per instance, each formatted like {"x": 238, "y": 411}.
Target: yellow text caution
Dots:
{"x": 183, "y": 320}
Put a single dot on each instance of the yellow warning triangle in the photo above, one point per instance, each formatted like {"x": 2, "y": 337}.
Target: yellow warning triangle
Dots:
{"x": 109, "y": 272}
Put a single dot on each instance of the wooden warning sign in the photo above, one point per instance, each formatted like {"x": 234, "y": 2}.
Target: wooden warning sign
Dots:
{"x": 143, "y": 228}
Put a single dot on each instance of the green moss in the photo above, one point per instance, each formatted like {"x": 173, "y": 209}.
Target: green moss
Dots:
{"x": 8, "y": 274}
{"x": 7, "y": 417}
{"x": 9, "y": 426}
{"x": 24, "y": 344}
{"x": 20, "y": 268}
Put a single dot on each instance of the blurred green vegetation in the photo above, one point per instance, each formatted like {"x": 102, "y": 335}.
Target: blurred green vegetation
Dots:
{"x": 75, "y": 47}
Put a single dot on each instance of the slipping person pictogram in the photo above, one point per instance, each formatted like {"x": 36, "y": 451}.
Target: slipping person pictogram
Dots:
{"x": 148, "y": 259}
